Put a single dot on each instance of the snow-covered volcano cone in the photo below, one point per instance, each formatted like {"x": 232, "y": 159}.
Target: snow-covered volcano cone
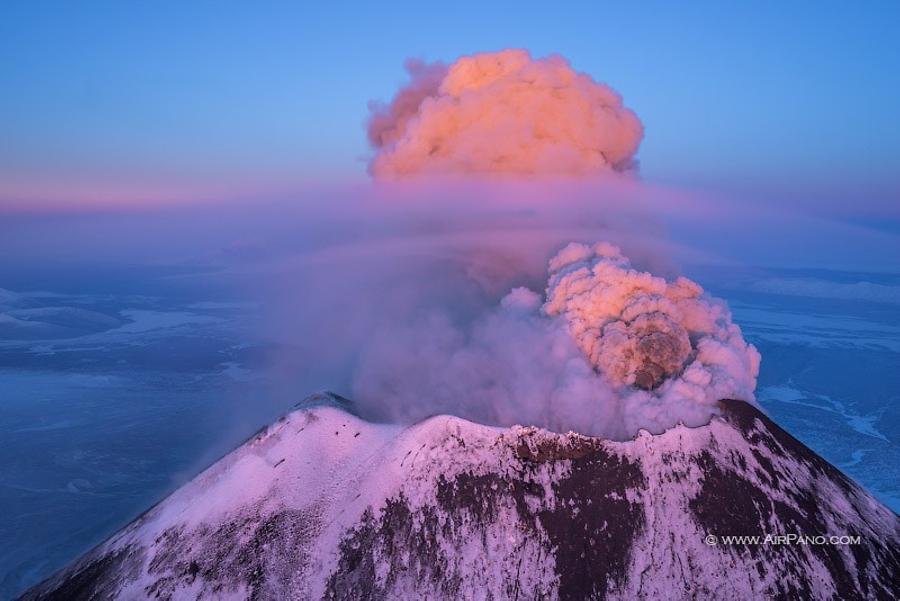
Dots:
{"x": 322, "y": 505}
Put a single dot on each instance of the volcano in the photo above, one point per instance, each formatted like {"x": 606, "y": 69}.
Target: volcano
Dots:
{"x": 323, "y": 505}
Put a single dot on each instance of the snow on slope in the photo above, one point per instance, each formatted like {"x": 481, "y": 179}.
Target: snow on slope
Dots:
{"x": 324, "y": 505}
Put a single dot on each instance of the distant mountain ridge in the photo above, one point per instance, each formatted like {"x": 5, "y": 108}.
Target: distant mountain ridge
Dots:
{"x": 324, "y": 505}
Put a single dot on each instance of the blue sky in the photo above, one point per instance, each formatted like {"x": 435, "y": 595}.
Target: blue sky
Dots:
{"x": 144, "y": 93}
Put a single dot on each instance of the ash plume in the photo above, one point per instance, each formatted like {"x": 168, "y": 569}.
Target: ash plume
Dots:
{"x": 642, "y": 331}
{"x": 502, "y": 113}
{"x": 609, "y": 349}
{"x": 608, "y": 352}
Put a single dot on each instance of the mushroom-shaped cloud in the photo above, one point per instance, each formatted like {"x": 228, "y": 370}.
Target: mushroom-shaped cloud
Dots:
{"x": 502, "y": 113}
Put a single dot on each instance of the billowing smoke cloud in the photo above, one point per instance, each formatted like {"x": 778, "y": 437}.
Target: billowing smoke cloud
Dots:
{"x": 502, "y": 113}
{"x": 642, "y": 331}
{"x": 611, "y": 350}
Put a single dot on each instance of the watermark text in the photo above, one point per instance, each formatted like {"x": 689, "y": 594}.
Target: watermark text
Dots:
{"x": 782, "y": 539}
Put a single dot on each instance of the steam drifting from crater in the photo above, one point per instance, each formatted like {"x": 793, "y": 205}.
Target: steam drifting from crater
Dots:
{"x": 610, "y": 351}
{"x": 502, "y": 113}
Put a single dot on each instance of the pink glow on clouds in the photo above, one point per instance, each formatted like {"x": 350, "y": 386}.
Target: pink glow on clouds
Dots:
{"x": 503, "y": 113}
{"x": 122, "y": 194}
{"x": 69, "y": 196}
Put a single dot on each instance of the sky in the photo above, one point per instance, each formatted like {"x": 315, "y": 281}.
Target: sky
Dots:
{"x": 134, "y": 101}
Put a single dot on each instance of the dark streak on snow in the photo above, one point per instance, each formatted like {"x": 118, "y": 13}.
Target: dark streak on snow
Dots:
{"x": 590, "y": 527}
{"x": 729, "y": 503}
